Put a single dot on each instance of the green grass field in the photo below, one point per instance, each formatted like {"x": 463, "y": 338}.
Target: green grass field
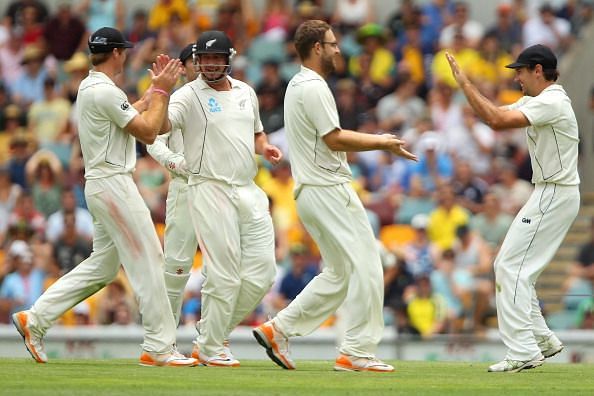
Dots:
{"x": 125, "y": 377}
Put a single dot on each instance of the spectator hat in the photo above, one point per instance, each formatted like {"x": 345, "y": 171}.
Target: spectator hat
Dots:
{"x": 106, "y": 39}
{"x": 31, "y": 53}
{"x": 371, "y": 30}
{"x": 21, "y": 250}
{"x": 78, "y": 61}
{"x": 419, "y": 221}
{"x": 535, "y": 55}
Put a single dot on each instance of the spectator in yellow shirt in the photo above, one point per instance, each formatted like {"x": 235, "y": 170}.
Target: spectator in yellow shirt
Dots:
{"x": 446, "y": 218}
{"x": 371, "y": 36}
{"x": 163, "y": 10}
{"x": 467, "y": 59}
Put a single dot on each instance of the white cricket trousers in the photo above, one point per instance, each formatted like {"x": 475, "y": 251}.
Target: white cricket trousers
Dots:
{"x": 180, "y": 243}
{"x": 531, "y": 242}
{"x": 236, "y": 236}
{"x": 124, "y": 233}
{"x": 336, "y": 219}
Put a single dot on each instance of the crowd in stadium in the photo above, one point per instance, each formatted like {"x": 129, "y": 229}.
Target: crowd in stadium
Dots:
{"x": 438, "y": 222}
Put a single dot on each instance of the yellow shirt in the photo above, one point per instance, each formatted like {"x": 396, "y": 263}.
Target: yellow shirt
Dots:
{"x": 443, "y": 224}
{"x": 160, "y": 14}
{"x": 466, "y": 58}
{"x": 493, "y": 72}
{"x": 381, "y": 68}
{"x": 424, "y": 313}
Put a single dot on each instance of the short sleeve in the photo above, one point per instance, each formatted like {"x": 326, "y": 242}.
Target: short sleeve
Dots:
{"x": 115, "y": 105}
{"x": 321, "y": 108}
{"x": 258, "y": 127}
{"x": 541, "y": 110}
{"x": 178, "y": 109}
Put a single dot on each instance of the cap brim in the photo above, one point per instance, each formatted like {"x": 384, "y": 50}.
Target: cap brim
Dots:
{"x": 516, "y": 65}
{"x": 128, "y": 44}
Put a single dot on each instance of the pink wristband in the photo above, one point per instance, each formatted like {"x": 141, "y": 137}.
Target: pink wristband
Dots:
{"x": 160, "y": 91}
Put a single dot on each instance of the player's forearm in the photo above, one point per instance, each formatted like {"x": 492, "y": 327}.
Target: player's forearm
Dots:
{"x": 260, "y": 142}
{"x": 154, "y": 117}
{"x": 482, "y": 106}
{"x": 347, "y": 140}
{"x": 160, "y": 151}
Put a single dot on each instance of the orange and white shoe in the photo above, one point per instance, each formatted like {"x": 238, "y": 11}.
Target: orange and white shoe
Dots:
{"x": 354, "y": 363}
{"x": 173, "y": 359}
{"x": 276, "y": 344}
{"x": 34, "y": 344}
{"x": 221, "y": 360}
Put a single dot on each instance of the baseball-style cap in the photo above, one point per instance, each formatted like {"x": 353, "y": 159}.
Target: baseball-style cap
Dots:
{"x": 535, "y": 55}
{"x": 106, "y": 39}
{"x": 186, "y": 53}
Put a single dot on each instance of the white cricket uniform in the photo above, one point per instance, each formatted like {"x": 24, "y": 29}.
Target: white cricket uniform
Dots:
{"x": 180, "y": 240}
{"x": 541, "y": 225}
{"x": 229, "y": 212}
{"x": 335, "y": 218}
{"x": 124, "y": 231}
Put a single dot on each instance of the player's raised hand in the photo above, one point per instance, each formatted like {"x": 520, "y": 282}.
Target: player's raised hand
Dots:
{"x": 160, "y": 63}
{"x": 168, "y": 74}
{"x": 272, "y": 154}
{"x": 457, "y": 72}
{"x": 396, "y": 146}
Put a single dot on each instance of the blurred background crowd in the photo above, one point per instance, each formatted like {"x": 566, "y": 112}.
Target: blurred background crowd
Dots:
{"x": 439, "y": 222}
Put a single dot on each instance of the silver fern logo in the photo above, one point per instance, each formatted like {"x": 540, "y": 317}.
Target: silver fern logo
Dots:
{"x": 209, "y": 43}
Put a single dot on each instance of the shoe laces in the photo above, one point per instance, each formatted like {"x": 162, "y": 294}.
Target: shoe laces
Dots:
{"x": 281, "y": 341}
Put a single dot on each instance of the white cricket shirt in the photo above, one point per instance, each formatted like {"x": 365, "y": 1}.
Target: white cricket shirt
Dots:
{"x": 552, "y": 136}
{"x": 218, "y": 130}
{"x": 310, "y": 114}
{"x": 103, "y": 112}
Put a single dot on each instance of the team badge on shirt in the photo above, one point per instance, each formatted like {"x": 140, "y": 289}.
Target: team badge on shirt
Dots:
{"x": 125, "y": 106}
{"x": 242, "y": 104}
{"x": 214, "y": 106}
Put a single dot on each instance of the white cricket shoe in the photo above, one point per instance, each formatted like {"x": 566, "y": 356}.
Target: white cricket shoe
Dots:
{"x": 549, "y": 346}
{"x": 276, "y": 344}
{"x": 514, "y": 366}
{"x": 173, "y": 359}
{"x": 354, "y": 363}
{"x": 33, "y": 344}
{"x": 221, "y": 360}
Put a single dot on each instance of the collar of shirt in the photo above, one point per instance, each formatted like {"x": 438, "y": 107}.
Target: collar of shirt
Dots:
{"x": 307, "y": 70}
{"x": 100, "y": 75}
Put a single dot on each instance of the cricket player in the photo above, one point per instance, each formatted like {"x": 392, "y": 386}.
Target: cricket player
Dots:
{"x": 541, "y": 225}
{"x": 220, "y": 123}
{"x": 180, "y": 240}
{"x": 332, "y": 214}
{"x": 124, "y": 232}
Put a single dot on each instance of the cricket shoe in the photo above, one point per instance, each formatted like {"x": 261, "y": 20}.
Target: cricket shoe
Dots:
{"x": 549, "y": 346}
{"x": 221, "y": 360}
{"x": 173, "y": 359}
{"x": 514, "y": 366}
{"x": 276, "y": 344}
{"x": 354, "y": 363}
{"x": 33, "y": 344}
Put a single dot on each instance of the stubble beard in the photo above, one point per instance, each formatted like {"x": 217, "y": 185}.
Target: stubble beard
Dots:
{"x": 328, "y": 66}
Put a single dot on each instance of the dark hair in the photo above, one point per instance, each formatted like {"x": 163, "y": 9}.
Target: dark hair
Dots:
{"x": 307, "y": 34}
{"x": 549, "y": 74}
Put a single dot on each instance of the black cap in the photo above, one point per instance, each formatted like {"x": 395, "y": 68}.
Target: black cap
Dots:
{"x": 214, "y": 42}
{"x": 106, "y": 39}
{"x": 535, "y": 55}
{"x": 186, "y": 53}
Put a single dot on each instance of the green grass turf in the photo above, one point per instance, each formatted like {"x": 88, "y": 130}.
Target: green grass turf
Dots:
{"x": 312, "y": 378}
